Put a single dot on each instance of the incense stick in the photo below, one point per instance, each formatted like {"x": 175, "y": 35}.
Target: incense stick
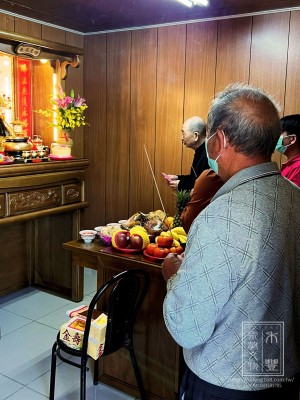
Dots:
{"x": 196, "y": 176}
{"x": 154, "y": 179}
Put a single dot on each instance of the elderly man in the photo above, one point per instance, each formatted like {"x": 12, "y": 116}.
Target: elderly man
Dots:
{"x": 233, "y": 303}
{"x": 193, "y": 137}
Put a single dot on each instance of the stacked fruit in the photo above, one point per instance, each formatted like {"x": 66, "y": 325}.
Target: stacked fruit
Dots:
{"x": 167, "y": 242}
{"x": 136, "y": 239}
{"x": 178, "y": 235}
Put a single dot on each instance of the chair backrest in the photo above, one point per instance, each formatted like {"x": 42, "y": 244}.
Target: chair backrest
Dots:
{"x": 127, "y": 291}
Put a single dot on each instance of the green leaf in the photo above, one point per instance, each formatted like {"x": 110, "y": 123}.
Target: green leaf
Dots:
{"x": 72, "y": 93}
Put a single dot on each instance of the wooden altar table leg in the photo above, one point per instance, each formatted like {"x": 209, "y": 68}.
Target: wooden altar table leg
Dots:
{"x": 77, "y": 282}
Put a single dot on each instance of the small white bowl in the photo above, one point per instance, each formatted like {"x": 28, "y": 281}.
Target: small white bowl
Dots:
{"x": 87, "y": 240}
{"x": 88, "y": 232}
{"x": 88, "y": 235}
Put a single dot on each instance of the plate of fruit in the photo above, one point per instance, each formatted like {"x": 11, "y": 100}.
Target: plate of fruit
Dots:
{"x": 133, "y": 241}
{"x": 164, "y": 245}
{"x": 153, "y": 258}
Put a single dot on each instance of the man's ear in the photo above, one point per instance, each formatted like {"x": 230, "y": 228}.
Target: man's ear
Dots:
{"x": 291, "y": 137}
{"x": 294, "y": 139}
{"x": 222, "y": 140}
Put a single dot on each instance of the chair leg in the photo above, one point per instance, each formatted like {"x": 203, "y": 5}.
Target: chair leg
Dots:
{"x": 83, "y": 379}
{"x": 96, "y": 372}
{"x": 137, "y": 373}
{"x": 53, "y": 371}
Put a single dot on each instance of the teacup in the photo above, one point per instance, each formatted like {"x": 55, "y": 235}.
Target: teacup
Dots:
{"x": 41, "y": 153}
{"x": 26, "y": 154}
{"x": 88, "y": 235}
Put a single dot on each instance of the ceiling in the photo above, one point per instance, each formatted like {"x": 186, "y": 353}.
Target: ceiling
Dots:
{"x": 90, "y": 16}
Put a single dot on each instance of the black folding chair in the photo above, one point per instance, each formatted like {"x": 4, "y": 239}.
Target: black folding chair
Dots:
{"x": 126, "y": 292}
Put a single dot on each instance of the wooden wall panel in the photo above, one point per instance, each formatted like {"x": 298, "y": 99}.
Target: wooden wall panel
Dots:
{"x": 53, "y": 34}
{"x": 7, "y": 22}
{"x": 142, "y": 126}
{"x": 192, "y": 64}
{"x": 200, "y": 74}
{"x": 118, "y": 125}
{"x": 234, "y": 41}
{"x": 28, "y": 28}
{"x": 72, "y": 39}
{"x": 269, "y": 53}
{"x": 200, "y": 68}
{"x": 169, "y": 109}
{"x": 95, "y": 133}
{"x": 292, "y": 98}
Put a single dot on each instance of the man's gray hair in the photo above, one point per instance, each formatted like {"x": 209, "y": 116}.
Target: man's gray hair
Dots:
{"x": 249, "y": 118}
{"x": 196, "y": 124}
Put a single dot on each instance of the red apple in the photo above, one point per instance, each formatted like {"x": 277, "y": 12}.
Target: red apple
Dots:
{"x": 122, "y": 239}
{"x": 136, "y": 241}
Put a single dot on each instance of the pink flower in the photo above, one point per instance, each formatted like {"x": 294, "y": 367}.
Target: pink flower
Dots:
{"x": 79, "y": 101}
{"x": 63, "y": 103}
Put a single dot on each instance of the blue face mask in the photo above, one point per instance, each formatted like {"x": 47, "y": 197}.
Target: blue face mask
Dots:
{"x": 213, "y": 163}
{"x": 279, "y": 146}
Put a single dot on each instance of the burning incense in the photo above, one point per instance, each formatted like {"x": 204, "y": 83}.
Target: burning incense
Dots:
{"x": 161, "y": 202}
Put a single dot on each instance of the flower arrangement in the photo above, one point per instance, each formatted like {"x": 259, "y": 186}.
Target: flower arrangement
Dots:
{"x": 70, "y": 111}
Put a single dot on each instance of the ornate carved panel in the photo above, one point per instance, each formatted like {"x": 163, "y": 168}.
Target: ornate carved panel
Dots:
{"x": 34, "y": 199}
{"x": 71, "y": 193}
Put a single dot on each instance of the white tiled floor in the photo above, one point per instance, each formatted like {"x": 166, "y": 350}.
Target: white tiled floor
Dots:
{"x": 29, "y": 321}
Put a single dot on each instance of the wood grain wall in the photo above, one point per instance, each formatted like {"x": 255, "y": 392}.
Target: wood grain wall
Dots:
{"x": 142, "y": 85}
{"x": 147, "y": 82}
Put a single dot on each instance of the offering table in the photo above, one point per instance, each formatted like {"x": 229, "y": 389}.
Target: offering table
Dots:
{"x": 158, "y": 356}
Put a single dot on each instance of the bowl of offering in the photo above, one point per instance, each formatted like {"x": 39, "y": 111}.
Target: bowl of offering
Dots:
{"x": 88, "y": 235}
{"x": 106, "y": 239}
{"x": 114, "y": 225}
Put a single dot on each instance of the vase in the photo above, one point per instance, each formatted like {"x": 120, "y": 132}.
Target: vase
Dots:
{"x": 63, "y": 145}
{"x": 64, "y": 138}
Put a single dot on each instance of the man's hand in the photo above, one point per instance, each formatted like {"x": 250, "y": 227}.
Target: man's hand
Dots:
{"x": 172, "y": 180}
{"x": 173, "y": 177}
{"x": 174, "y": 184}
{"x": 171, "y": 265}
{"x": 169, "y": 177}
